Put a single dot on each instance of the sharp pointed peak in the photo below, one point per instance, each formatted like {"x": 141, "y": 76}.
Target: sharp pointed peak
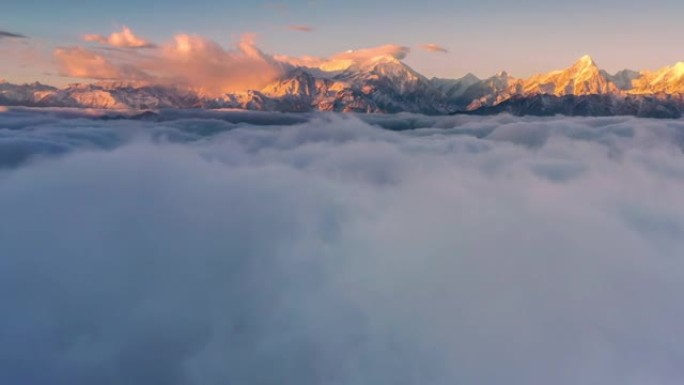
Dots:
{"x": 585, "y": 60}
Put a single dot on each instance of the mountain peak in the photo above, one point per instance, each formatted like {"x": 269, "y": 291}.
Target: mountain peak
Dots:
{"x": 585, "y": 61}
{"x": 582, "y": 78}
{"x": 678, "y": 68}
{"x": 470, "y": 77}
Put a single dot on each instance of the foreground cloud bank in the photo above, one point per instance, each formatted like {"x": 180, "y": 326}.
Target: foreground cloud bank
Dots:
{"x": 213, "y": 248}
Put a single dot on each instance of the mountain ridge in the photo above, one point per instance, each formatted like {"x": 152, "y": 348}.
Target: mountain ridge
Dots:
{"x": 385, "y": 84}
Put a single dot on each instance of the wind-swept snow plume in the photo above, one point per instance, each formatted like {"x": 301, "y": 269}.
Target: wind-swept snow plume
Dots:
{"x": 191, "y": 247}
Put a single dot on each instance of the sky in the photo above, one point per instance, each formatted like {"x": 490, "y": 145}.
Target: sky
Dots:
{"x": 481, "y": 37}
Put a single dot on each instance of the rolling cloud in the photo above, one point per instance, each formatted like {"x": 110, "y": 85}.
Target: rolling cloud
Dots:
{"x": 211, "y": 247}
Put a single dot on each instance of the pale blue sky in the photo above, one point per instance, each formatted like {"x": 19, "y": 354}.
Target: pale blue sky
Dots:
{"x": 483, "y": 36}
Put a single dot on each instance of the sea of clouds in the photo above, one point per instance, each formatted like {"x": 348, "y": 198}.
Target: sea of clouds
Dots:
{"x": 207, "y": 248}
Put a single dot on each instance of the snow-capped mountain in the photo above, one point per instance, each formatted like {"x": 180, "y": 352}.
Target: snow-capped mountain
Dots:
{"x": 623, "y": 79}
{"x": 652, "y": 106}
{"x": 489, "y": 92}
{"x": 378, "y": 84}
{"x": 385, "y": 84}
{"x": 455, "y": 88}
{"x": 121, "y": 95}
{"x": 668, "y": 80}
{"x": 24, "y": 94}
{"x": 582, "y": 78}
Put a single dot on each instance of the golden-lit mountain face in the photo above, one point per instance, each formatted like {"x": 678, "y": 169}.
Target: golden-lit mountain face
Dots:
{"x": 668, "y": 80}
{"x": 582, "y": 78}
{"x": 377, "y": 80}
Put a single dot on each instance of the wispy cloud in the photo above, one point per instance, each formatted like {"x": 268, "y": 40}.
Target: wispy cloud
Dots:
{"x": 432, "y": 47}
{"x": 300, "y": 28}
{"x": 11, "y": 35}
{"x": 122, "y": 39}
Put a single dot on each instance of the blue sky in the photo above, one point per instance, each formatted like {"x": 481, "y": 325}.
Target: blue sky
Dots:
{"x": 483, "y": 37}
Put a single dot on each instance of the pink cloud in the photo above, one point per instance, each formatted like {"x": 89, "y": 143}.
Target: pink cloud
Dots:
{"x": 188, "y": 61}
{"x": 83, "y": 63}
{"x": 432, "y": 47}
{"x": 300, "y": 28}
{"x": 202, "y": 63}
{"x": 123, "y": 39}
{"x": 198, "y": 63}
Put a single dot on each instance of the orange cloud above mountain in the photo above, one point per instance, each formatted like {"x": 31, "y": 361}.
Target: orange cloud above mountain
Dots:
{"x": 198, "y": 63}
{"x": 123, "y": 39}
{"x": 83, "y": 63}
{"x": 187, "y": 61}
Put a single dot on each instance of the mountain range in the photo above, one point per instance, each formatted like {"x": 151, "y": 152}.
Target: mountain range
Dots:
{"x": 385, "y": 84}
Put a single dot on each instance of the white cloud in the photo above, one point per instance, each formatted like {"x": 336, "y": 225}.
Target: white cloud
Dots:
{"x": 205, "y": 248}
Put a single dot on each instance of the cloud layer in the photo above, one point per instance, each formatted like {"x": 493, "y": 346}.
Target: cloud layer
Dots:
{"x": 213, "y": 248}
